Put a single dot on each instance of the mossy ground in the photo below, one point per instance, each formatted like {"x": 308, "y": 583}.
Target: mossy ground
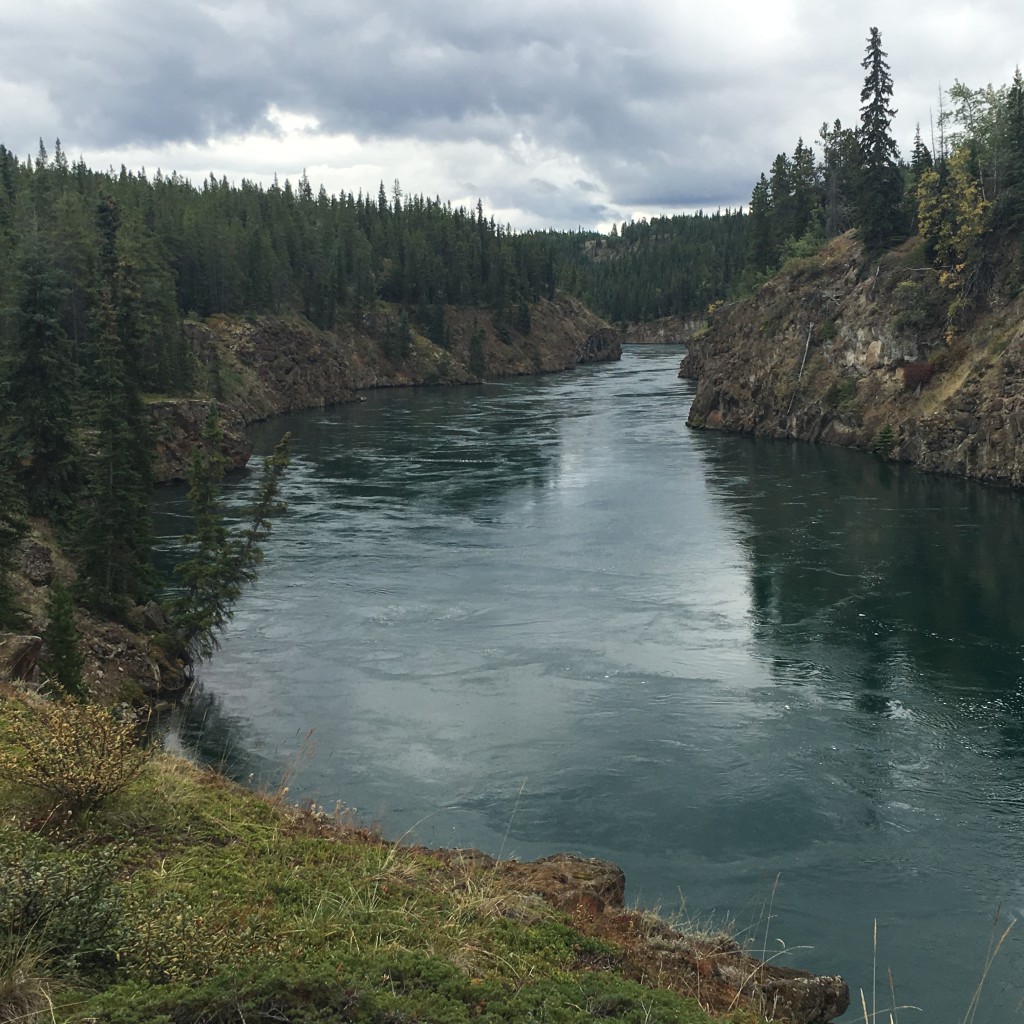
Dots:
{"x": 186, "y": 898}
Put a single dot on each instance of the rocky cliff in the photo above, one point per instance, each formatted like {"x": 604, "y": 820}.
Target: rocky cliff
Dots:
{"x": 258, "y": 366}
{"x": 668, "y": 330}
{"x": 840, "y": 350}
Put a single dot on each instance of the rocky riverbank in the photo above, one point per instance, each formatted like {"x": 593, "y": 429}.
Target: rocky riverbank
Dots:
{"x": 842, "y": 351}
{"x": 256, "y": 367}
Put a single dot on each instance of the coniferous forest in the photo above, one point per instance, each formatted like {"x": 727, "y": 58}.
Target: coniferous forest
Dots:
{"x": 100, "y": 269}
{"x": 98, "y": 272}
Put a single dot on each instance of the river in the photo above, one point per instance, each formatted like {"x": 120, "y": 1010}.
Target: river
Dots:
{"x": 780, "y": 682}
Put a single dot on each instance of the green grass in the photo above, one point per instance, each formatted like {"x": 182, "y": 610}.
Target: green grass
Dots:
{"x": 208, "y": 903}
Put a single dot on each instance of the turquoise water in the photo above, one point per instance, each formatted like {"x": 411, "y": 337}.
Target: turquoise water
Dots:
{"x": 781, "y": 681}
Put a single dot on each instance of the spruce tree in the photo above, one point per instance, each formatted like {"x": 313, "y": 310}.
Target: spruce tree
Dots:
{"x": 200, "y": 610}
{"x": 62, "y": 661}
{"x": 221, "y": 560}
{"x": 12, "y": 507}
{"x": 840, "y": 162}
{"x": 879, "y": 188}
{"x": 1011, "y": 204}
{"x": 114, "y": 522}
{"x": 247, "y": 549}
{"x": 760, "y": 247}
{"x": 42, "y": 383}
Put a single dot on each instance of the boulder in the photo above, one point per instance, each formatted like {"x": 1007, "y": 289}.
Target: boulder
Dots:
{"x": 35, "y": 562}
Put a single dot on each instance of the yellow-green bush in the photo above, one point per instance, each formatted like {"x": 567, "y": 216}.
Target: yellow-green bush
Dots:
{"x": 77, "y": 754}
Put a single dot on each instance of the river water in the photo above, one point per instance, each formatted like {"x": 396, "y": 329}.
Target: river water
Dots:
{"x": 779, "y": 682}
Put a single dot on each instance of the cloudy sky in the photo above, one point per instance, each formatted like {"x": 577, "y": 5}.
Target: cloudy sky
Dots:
{"x": 554, "y": 112}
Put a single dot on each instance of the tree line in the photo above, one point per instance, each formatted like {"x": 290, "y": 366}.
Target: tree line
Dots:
{"x": 99, "y": 271}
{"x": 851, "y": 176}
{"x": 653, "y": 268}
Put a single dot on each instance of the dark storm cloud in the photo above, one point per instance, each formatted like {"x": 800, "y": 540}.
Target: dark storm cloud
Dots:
{"x": 654, "y": 104}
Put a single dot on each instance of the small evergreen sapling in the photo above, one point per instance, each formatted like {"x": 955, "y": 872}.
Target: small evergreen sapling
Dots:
{"x": 62, "y": 660}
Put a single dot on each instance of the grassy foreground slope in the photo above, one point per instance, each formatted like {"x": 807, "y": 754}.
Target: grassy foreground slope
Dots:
{"x": 137, "y": 887}
{"x": 183, "y": 897}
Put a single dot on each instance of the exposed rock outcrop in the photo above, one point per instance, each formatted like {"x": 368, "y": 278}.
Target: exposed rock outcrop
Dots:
{"x": 668, "y": 330}
{"x": 835, "y": 350}
{"x": 124, "y": 665}
{"x": 176, "y": 424}
{"x": 35, "y": 562}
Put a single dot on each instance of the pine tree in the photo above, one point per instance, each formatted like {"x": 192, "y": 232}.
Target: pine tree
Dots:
{"x": 1012, "y": 198}
{"x": 12, "y": 510}
{"x": 879, "y": 188}
{"x": 42, "y": 383}
{"x": 840, "y": 159}
{"x": 760, "y": 247}
{"x": 200, "y": 611}
{"x": 259, "y": 514}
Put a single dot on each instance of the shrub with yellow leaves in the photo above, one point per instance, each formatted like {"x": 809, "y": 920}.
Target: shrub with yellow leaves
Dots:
{"x": 78, "y": 754}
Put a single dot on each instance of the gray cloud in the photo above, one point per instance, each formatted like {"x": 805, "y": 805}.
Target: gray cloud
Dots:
{"x": 646, "y": 105}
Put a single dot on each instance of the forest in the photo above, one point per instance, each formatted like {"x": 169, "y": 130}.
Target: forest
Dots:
{"x": 99, "y": 270}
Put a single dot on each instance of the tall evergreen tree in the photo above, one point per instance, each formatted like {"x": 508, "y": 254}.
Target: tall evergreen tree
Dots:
{"x": 260, "y": 513}
{"x": 880, "y": 187}
{"x": 221, "y": 560}
{"x": 114, "y": 524}
{"x": 1012, "y": 199}
{"x": 42, "y": 382}
{"x": 12, "y": 513}
{"x": 761, "y": 248}
{"x": 201, "y": 610}
{"x": 840, "y": 159}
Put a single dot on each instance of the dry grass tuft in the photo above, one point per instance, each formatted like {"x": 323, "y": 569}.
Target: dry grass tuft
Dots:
{"x": 24, "y": 983}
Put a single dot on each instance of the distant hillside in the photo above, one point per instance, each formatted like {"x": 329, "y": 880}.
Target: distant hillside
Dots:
{"x": 668, "y": 266}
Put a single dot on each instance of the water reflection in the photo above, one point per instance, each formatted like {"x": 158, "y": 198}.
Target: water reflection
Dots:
{"x": 200, "y": 729}
{"x": 910, "y": 574}
{"x": 543, "y": 615}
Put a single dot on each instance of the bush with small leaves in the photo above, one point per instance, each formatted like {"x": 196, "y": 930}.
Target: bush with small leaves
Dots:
{"x": 62, "y": 904}
{"x": 916, "y": 375}
{"x": 77, "y": 754}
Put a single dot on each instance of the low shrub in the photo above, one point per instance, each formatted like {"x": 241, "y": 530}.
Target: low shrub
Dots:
{"x": 916, "y": 375}
{"x": 77, "y": 754}
{"x": 57, "y": 906}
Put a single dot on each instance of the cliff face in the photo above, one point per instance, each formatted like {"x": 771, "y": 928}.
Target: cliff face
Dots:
{"x": 260, "y": 366}
{"x": 668, "y": 330}
{"x": 835, "y": 350}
